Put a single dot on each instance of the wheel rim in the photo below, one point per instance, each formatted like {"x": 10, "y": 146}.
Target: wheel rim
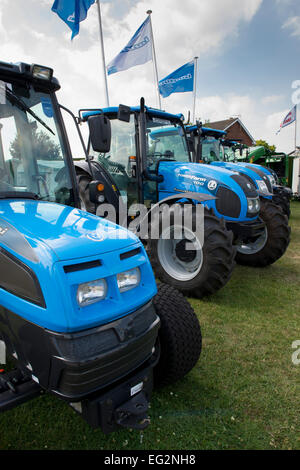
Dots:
{"x": 254, "y": 247}
{"x": 173, "y": 259}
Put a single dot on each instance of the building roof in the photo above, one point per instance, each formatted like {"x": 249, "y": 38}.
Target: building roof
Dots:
{"x": 227, "y": 123}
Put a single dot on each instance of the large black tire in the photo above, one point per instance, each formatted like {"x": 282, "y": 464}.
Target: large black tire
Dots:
{"x": 277, "y": 238}
{"x": 179, "y": 336}
{"x": 283, "y": 202}
{"x": 218, "y": 262}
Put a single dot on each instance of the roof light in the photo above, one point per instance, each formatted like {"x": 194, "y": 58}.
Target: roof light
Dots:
{"x": 39, "y": 71}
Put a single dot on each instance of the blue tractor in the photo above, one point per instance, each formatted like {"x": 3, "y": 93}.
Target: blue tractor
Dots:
{"x": 211, "y": 147}
{"x": 149, "y": 163}
{"x": 232, "y": 151}
{"x": 81, "y": 316}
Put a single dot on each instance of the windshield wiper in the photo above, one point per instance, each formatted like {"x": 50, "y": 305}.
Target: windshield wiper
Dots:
{"x": 14, "y": 99}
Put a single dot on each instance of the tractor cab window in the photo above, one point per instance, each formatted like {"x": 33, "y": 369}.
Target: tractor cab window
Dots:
{"x": 229, "y": 154}
{"x": 118, "y": 160}
{"x": 32, "y": 154}
{"x": 210, "y": 150}
{"x": 165, "y": 141}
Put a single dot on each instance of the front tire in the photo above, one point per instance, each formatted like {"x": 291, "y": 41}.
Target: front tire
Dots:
{"x": 283, "y": 202}
{"x": 275, "y": 242}
{"x": 179, "y": 336}
{"x": 199, "y": 274}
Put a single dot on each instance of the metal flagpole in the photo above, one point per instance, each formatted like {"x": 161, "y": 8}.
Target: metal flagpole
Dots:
{"x": 154, "y": 58}
{"x": 295, "y": 127}
{"x": 102, "y": 54}
{"x": 195, "y": 87}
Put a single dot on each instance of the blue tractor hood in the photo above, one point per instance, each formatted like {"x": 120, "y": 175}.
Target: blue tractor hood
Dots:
{"x": 69, "y": 233}
{"x": 255, "y": 173}
{"x": 194, "y": 176}
{"x": 181, "y": 177}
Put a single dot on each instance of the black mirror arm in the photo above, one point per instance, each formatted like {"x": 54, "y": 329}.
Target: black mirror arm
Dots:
{"x": 87, "y": 158}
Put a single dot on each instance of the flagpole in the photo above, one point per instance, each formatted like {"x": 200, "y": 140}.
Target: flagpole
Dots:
{"x": 154, "y": 58}
{"x": 195, "y": 86}
{"x": 295, "y": 127}
{"x": 102, "y": 54}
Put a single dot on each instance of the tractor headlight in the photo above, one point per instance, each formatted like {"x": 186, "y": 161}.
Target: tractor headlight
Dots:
{"x": 128, "y": 279}
{"x": 272, "y": 180}
{"x": 91, "y": 292}
{"x": 253, "y": 205}
{"x": 262, "y": 186}
{"x": 39, "y": 71}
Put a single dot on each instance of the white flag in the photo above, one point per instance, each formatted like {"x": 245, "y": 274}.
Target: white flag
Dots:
{"x": 138, "y": 51}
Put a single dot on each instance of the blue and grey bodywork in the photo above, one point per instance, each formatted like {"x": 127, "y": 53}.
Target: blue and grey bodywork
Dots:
{"x": 236, "y": 200}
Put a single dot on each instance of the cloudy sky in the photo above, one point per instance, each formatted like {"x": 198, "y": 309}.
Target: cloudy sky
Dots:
{"x": 248, "y": 56}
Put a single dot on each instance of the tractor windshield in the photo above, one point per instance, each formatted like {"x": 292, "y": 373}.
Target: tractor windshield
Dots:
{"x": 165, "y": 141}
{"x": 211, "y": 150}
{"x": 33, "y": 159}
{"x": 229, "y": 153}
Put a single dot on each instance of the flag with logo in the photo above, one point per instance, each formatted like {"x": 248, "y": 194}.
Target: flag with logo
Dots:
{"x": 138, "y": 51}
{"x": 72, "y": 12}
{"x": 289, "y": 118}
{"x": 179, "y": 81}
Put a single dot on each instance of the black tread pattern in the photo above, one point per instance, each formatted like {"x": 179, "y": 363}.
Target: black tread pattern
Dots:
{"x": 179, "y": 335}
{"x": 283, "y": 202}
{"x": 278, "y": 237}
{"x": 218, "y": 260}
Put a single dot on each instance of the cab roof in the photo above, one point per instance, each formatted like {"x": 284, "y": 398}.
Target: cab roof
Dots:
{"x": 22, "y": 72}
{"x": 207, "y": 131}
{"x": 112, "y": 111}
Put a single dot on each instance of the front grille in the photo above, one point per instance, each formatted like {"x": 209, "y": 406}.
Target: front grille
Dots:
{"x": 246, "y": 183}
{"x": 228, "y": 203}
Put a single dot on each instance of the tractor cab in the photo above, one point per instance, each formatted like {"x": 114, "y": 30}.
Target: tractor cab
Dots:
{"x": 34, "y": 159}
{"x": 140, "y": 141}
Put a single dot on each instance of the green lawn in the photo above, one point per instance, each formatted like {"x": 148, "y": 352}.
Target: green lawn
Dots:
{"x": 243, "y": 393}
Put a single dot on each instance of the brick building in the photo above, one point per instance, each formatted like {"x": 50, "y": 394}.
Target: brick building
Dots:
{"x": 235, "y": 130}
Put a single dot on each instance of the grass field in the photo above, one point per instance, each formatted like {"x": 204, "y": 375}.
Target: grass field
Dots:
{"x": 243, "y": 393}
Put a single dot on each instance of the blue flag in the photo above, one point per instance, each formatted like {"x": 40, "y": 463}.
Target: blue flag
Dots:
{"x": 179, "y": 81}
{"x": 137, "y": 51}
{"x": 72, "y": 12}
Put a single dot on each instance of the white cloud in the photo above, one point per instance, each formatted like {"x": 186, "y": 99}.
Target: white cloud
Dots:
{"x": 293, "y": 23}
{"x": 181, "y": 31}
{"x": 272, "y": 99}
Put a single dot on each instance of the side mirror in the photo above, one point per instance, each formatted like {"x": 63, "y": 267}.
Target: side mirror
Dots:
{"x": 100, "y": 133}
{"x": 124, "y": 113}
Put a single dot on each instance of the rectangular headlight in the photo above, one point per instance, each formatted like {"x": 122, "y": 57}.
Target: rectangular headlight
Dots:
{"x": 128, "y": 279}
{"x": 91, "y": 292}
{"x": 38, "y": 71}
{"x": 253, "y": 205}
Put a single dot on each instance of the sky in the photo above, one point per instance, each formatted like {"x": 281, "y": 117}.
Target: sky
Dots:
{"x": 248, "y": 57}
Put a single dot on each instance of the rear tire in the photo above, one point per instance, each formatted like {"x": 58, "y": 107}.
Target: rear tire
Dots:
{"x": 217, "y": 265}
{"x": 277, "y": 241}
{"x": 179, "y": 336}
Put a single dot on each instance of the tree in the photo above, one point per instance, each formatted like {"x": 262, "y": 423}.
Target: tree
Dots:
{"x": 265, "y": 144}
{"x": 43, "y": 146}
